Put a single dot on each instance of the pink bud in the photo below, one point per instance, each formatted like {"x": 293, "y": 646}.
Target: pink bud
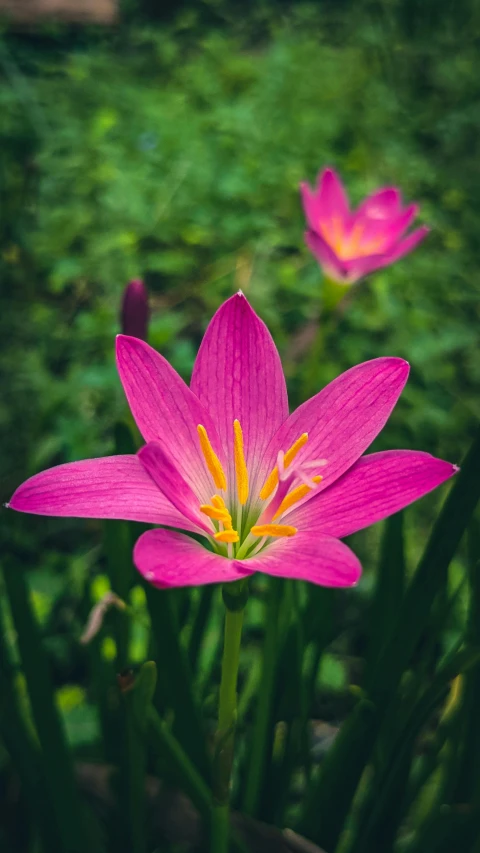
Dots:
{"x": 135, "y": 311}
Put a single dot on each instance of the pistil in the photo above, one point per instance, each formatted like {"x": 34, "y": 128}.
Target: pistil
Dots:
{"x": 272, "y": 479}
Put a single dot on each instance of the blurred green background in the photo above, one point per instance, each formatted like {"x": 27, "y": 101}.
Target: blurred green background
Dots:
{"x": 170, "y": 147}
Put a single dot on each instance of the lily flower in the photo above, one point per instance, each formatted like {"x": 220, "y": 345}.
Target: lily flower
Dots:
{"x": 350, "y": 244}
{"x": 266, "y": 491}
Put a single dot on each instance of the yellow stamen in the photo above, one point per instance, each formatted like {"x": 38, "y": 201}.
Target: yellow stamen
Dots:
{"x": 240, "y": 464}
{"x": 227, "y": 536}
{"x": 293, "y": 497}
{"x": 219, "y": 502}
{"x": 272, "y": 479}
{"x": 218, "y": 510}
{"x": 211, "y": 458}
{"x": 213, "y": 512}
{"x": 273, "y": 530}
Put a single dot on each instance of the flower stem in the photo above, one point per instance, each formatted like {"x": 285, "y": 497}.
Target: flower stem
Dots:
{"x": 234, "y": 596}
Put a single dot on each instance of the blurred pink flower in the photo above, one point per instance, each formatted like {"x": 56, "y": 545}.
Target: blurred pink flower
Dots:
{"x": 135, "y": 311}
{"x": 350, "y": 244}
{"x": 267, "y": 491}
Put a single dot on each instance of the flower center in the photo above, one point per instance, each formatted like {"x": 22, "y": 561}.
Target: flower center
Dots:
{"x": 348, "y": 244}
{"x": 257, "y": 516}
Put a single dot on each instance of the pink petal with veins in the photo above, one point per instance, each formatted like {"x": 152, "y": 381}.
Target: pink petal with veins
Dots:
{"x": 111, "y": 487}
{"x": 238, "y": 375}
{"x": 166, "y": 410}
{"x": 374, "y": 488}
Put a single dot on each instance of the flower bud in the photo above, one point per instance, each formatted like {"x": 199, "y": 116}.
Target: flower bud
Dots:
{"x": 135, "y": 311}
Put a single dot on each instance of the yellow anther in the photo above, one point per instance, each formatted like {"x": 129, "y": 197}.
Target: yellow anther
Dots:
{"x": 218, "y": 510}
{"x": 272, "y": 480}
{"x": 240, "y": 464}
{"x": 219, "y": 502}
{"x": 293, "y": 450}
{"x": 227, "y": 536}
{"x": 273, "y": 530}
{"x": 211, "y": 458}
{"x": 213, "y": 512}
{"x": 293, "y": 497}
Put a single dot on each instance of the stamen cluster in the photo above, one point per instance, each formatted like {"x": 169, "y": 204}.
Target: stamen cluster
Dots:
{"x": 256, "y": 516}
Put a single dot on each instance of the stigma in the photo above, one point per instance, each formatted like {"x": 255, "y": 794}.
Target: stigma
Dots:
{"x": 272, "y": 480}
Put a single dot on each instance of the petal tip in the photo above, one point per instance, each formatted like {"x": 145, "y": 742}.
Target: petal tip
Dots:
{"x": 403, "y": 364}
{"x": 121, "y": 342}
{"x": 122, "y": 339}
{"x": 328, "y": 171}
{"x": 396, "y": 361}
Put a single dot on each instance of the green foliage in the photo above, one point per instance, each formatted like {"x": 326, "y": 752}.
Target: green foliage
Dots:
{"x": 174, "y": 153}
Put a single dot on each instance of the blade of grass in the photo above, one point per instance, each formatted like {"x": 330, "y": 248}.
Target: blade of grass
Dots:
{"x": 444, "y": 541}
{"x": 389, "y": 587}
{"x": 68, "y": 809}
{"x": 377, "y": 832}
{"x": 199, "y": 624}
{"x": 329, "y": 799}
{"x": 262, "y": 734}
{"x": 19, "y": 739}
{"x": 292, "y": 709}
{"x": 164, "y": 744}
{"x": 130, "y": 784}
{"x": 175, "y": 677}
{"x": 448, "y": 831}
{"x": 356, "y": 738}
{"x": 467, "y": 780}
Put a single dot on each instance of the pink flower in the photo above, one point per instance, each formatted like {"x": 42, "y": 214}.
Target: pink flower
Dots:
{"x": 135, "y": 311}
{"x": 350, "y": 244}
{"x": 267, "y": 491}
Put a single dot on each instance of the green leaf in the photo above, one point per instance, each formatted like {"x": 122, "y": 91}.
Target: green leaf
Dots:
{"x": 175, "y": 682}
{"x": 69, "y": 811}
{"x": 389, "y": 587}
{"x": 330, "y": 798}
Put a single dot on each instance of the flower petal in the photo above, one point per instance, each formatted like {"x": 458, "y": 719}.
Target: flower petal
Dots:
{"x": 374, "y": 488}
{"x": 377, "y": 236}
{"x": 112, "y": 487}
{"x": 238, "y": 375}
{"x": 168, "y": 559}
{"x": 332, "y": 266}
{"x": 343, "y": 419}
{"x": 166, "y": 410}
{"x": 331, "y": 195}
{"x": 311, "y": 206}
{"x": 167, "y": 478}
{"x": 360, "y": 267}
{"x": 381, "y": 204}
{"x": 316, "y": 558}
{"x": 405, "y": 246}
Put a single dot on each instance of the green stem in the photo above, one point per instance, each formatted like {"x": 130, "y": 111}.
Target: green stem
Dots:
{"x": 234, "y": 598}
